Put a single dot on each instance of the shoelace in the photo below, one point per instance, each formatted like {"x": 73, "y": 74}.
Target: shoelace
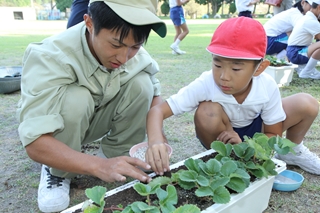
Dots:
{"x": 53, "y": 180}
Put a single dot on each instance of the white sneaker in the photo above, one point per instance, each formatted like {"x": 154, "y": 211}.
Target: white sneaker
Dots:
{"x": 177, "y": 49}
{"x": 53, "y": 192}
{"x": 300, "y": 68}
{"x": 174, "y": 53}
{"x": 314, "y": 74}
{"x": 303, "y": 158}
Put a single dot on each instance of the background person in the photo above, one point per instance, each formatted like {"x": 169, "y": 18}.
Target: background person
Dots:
{"x": 301, "y": 48}
{"x": 78, "y": 9}
{"x": 180, "y": 25}
{"x": 285, "y": 5}
{"x": 236, "y": 98}
{"x": 245, "y": 7}
{"x": 279, "y": 27}
{"x": 94, "y": 81}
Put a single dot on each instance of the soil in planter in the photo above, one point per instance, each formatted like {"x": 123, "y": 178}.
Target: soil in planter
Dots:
{"x": 129, "y": 195}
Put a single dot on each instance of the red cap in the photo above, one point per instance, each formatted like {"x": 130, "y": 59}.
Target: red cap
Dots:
{"x": 242, "y": 38}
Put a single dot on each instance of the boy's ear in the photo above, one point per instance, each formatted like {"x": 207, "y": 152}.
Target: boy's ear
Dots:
{"x": 88, "y": 21}
{"x": 263, "y": 65}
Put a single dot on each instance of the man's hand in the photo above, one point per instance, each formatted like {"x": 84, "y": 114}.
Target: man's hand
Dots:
{"x": 229, "y": 137}
{"x": 116, "y": 169}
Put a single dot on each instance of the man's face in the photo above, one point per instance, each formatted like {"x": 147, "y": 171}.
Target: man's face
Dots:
{"x": 107, "y": 48}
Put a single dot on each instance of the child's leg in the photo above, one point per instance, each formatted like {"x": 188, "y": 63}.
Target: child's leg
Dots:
{"x": 210, "y": 120}
{"x": 301, "y": 110}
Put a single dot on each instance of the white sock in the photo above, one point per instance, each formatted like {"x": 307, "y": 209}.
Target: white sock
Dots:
{"x": 312, "y": 63}
{"x": 281, "y": 55}
{"x": 297, "y": 148}
{"x": 177, "y": 42}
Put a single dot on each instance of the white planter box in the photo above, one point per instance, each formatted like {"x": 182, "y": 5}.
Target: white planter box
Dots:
{"x": 282, "y": 75}
{"x": 254, "y": 199}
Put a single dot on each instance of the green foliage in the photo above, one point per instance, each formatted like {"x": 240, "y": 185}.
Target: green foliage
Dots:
{"x": 230, "y": 169}
{"x": 232, "y": 8}
{"x": 165, "y": 8}
{"x": 275, "y": 62}
{"x": 62, "y": 5}
{"x": 96, "y": 194}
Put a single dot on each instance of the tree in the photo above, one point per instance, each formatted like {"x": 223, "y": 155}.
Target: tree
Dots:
{"x": 63, "y": 4}
{"x": 215, "y": 4}
{"x": 165, "y": 8}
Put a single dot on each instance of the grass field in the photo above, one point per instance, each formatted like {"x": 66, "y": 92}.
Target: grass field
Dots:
{"x": 20, "y": 176}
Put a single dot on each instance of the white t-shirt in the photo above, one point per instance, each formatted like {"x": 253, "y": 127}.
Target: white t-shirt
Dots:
{"x": 241, "y": 5}
{"x": 304, "y": 31}
{"x": 264, "y": 98}
{"x": 173, "y": 3}
{"x": 282, "y": 22}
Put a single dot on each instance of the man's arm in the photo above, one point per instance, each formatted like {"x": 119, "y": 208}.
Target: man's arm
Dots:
{"x": 52, "y": 152}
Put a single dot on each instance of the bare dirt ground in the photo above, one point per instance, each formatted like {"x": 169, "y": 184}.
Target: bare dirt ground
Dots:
{"x": 19, "y": 176}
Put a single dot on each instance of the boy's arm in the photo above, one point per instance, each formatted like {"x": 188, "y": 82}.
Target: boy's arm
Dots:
{"x": 157, "y": 155}
{"x": 273, "y": 130}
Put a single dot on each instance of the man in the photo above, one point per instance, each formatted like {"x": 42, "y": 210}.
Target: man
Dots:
{"x": 92, "y": 81}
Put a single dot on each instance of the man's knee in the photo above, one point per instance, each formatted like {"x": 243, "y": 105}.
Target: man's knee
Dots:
{"x": 77, "y": 103}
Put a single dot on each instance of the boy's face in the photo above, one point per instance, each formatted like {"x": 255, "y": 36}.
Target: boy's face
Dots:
{"x": 233, "y": 76}
{"x": 107, "y": 48}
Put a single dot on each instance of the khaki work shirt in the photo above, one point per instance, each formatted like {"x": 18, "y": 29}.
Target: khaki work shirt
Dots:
{"x": 64, "y": 59}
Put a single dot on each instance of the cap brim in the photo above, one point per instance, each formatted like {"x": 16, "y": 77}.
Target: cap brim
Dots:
{"x": 231, "y": 53}
{"x": 139, "y": 16}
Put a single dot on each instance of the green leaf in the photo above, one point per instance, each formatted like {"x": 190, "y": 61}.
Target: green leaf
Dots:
{"x": 142, "y": 189}
{"x": 96, "y": 194}
{"x": 221, "y": 195}
{"x": 202, "y": 181}
{"x": 269, "y": 165}
{"x": 211, "y": 167}
{"x": 219, "y": 147}
{"x": 141, "y": 207}
{"x": 186, "y": 185}
{"x": 240, "y": 149}
{"x": 240, "y": 173}
{"x": 219, "y": 181}
{"x": 204, "y": 191}
{"x": 192, "y": 164}
{"x": 228, "y": 168}
{"x": 188, "y": 176}
{"x": 188, "y": 208}
{"x": 160, "y": 180}
{"x": 237, "y": 184}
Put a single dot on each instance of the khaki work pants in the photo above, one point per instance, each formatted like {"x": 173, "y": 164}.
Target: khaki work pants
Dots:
{"x": 121, "y": 123}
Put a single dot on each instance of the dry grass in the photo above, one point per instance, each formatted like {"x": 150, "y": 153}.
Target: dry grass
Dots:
{"x": 20, "y": 176}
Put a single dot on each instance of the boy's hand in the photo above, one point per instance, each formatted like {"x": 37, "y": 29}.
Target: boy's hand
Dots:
{"x": 158, "y": 158}
{"x": 229, "y": 137}
{"x": 116, "y": 169}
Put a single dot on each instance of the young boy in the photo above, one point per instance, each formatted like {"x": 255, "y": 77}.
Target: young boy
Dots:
{"x": 236, "y": 98}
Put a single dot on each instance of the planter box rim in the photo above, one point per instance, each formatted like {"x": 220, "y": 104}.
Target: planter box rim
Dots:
{"x": 281, "y": 166}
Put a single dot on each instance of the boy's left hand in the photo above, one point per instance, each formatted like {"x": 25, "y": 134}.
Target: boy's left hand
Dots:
{"x": 229, "y": 137}
{"x": 157, "y": 157}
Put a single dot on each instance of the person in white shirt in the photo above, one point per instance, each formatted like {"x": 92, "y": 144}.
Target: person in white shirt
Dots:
{"x": 301, "y": 48}
{"x": 279, "y": 27}
{"x": 285, "y": 5}
{"x": 236, "y": 98}
{"x": 245, "y": 7}
{"x": 180, "y": 25}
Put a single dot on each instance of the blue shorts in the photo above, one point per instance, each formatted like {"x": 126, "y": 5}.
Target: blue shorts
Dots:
{"x": 177, "y": 15}
{"x": 298, "y": 54}
{"x": 250, "y": 130}
{"x": 277, "y": 43}
{"x": 246, "y": 13}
